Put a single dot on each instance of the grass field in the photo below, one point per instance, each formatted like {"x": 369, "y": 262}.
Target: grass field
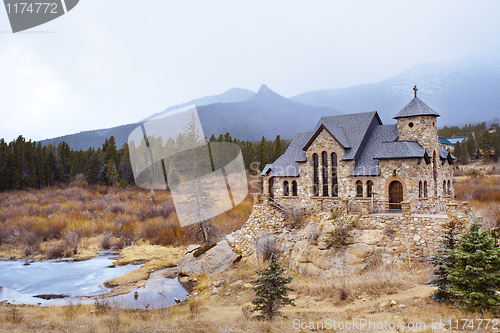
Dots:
{"x": 103, "y": 217}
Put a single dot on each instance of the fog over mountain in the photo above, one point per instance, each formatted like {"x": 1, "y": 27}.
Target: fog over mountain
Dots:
{"x": 459, "y": 93}
{"x": 263, "y": 114}
{"x": 230, "y": 96}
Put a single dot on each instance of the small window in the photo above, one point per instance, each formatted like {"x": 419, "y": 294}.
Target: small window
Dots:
{"x": 286, "y": 191}
{"x": 445, "y": 192}
{"x": 449, "y": 188}
{"x": 420, "y": 192}
{"x": 425, "y": 189}
{"x": 359, "y": 189}
{"x": 294, "y": 188}
{"x": 369, "y": 189}
{"x": 410, "y": 125}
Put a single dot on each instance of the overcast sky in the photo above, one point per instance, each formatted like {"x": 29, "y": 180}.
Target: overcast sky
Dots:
{"x": 113, "y": 62}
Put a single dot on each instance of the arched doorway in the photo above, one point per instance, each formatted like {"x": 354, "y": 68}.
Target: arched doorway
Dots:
{"x": 271, "y": 187}
{"x": 395, "y": 195}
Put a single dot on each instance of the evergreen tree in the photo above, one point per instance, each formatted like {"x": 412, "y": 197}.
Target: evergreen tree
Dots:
{"x": 443, "y": 262}
{"x": 457, "y": 150}
{"x": 92, "y": 167}
{"x": 112, "y": 174}
{"x": 262, "y": 153}
{"x": 471, "y": 146}
{"x": 271, "y": 290}
{"x": 475, "y": 278}
{"x": 277, "y": 148}
{"x": 103, "y": 178}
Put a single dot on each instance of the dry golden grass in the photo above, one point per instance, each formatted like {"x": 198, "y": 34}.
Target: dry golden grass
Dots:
{"x": 53, "y": 222}
{"x": 484, "y": 196}
{"x": 154, "y": 257}
{"x": 316, "y": 300}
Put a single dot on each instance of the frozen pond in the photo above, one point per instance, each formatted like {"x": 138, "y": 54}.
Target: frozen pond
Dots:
{"x": 159, "y": 292}
{"x": 75, "y": 279}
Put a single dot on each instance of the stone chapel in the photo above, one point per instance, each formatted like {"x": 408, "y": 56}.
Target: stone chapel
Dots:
{"x": 356, "y": 157}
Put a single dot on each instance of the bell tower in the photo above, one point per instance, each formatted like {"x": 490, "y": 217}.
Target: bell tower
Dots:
{"x": 417, "y": 122}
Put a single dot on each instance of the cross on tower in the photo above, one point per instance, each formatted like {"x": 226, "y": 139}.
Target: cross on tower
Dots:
{"x": 415, "y": 90}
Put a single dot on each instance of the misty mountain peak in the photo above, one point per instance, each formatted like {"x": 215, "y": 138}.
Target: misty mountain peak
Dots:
{"x": 263, "y": 89}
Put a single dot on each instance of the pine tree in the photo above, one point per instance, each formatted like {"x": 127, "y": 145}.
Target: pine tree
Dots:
{"x": 271, "y": 291}
{"x": 277, "y": 148}
{"x": 443, "y": 262}
{"x": 262, "y": 153}
{"x": 457, "y": 150}
{"x": 471, "y": 146}
{"x": 475, "y": 278}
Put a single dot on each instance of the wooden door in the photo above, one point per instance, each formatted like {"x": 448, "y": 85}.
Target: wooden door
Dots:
{"x": 395, "y": 195}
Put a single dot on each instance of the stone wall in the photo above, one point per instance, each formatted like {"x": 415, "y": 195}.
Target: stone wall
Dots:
{"x": 392, "y": 235}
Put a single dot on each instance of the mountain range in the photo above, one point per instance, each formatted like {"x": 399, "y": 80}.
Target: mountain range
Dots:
{"x": 461, "y": 94}
{"x": 244, "y": 114}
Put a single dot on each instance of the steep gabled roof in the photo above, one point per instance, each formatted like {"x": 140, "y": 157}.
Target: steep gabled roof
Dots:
{"x": 444, "y": 155}
{"x": 286, "y": 165}
{"x": 349, "y": 130}
{"x": 366, "y": 165}
{"x": 416, "y": 108}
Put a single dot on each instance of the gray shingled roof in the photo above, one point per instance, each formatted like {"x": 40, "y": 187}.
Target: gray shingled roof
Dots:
{"x": 363, "y": 136}
{"x": 366, "y": 165}
{"x": 444, "y": 154}
{"x": 348, "y": 129}
{"x": 400, "y": 149}
{"x": 416, "y": 108}
{"x": 286, "y": 165}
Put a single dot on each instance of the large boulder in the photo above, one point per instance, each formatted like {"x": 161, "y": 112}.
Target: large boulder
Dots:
{"x": 214, "y": 261}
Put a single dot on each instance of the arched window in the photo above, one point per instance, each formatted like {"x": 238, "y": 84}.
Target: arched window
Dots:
{"x": 315, "y": 175}
{"x": 420, "y": 192}
{"x": 335, "y": 185}
{"x": 445, "y": 192}
{"x": 359, "y": 189}
{"x": 286, "y": 191}
{"x": 434, "y": 172}
{"x": 324, "y": 159}
{"x": 449, "y": 188}
{"x": 425, "y": 189}
{"x": 294, "y": 188}
{"x": 369, "y": 189}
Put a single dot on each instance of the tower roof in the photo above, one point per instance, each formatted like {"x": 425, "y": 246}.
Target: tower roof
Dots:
{"x": 416, "y": 108}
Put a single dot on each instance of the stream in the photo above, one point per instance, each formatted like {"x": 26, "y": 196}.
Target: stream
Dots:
{"x": 72, "y": 281}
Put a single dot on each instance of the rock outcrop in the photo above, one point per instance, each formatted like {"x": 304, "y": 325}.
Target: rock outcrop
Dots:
{"x": 212, "y": 262}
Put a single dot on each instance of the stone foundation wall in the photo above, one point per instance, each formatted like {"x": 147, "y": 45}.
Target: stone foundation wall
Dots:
{"x": 394, "y": 235}
{"x": 418, "y": 235}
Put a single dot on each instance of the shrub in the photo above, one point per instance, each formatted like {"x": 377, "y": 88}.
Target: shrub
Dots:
{"x": 150, "y": 211}
{"x": 55, "y": 250}
{"x": 266, "y": 246}
{"x": 343, "y": 223}
{"x": 295, "y": 217}
{"x": 72, "y": 240}
{"x": 105, "y": 240}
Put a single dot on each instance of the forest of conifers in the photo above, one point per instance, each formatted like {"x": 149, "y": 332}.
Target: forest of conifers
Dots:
{"x": 478, "y": 138}
{"x": 29, "y": 164}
